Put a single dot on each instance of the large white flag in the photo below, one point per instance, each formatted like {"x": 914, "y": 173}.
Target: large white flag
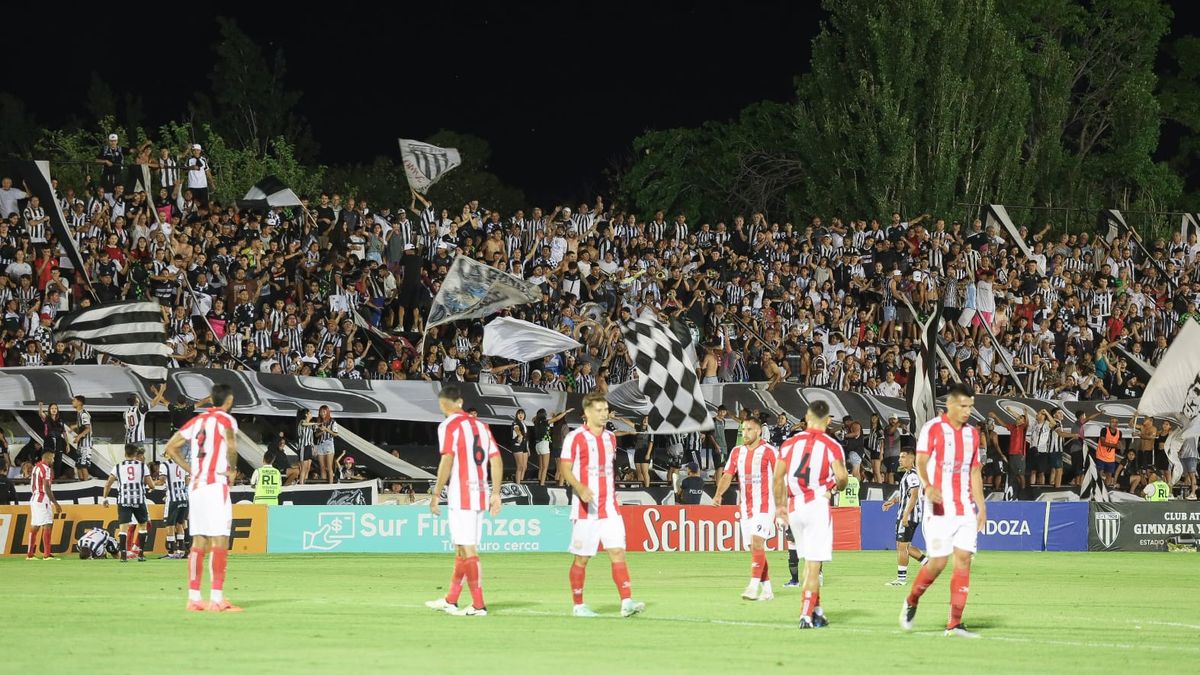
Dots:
{"x": 998, "y": 215}
{"x": 523, "y": 341}
{"x": 425, "y": 164}
{"x": 1174, "y": 391}
{"x": 473, "y": 290}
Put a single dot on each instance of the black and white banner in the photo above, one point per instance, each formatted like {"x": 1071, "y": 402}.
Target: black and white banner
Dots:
{"x": 37, "y": 176}
{"x": 1144, "y": 526}
{"x": 997, "y": 215}
{"x": 919, "y": 391}
{"x": 338, "y": 494}
{"x": 667, "y": 378}
{"x": 131, "y": 332}
{"x": 473, "y": 290}
{"x": 424, "y": 164}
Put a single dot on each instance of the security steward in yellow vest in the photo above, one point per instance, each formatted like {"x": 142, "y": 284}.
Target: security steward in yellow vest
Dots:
{"x": 267, "y": 481}
{"x": 1157, "y": 490}
{"x": 849, "y": 496}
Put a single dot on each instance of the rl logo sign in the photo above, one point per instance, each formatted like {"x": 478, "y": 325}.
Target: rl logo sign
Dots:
{"x": 1108, "y": 526}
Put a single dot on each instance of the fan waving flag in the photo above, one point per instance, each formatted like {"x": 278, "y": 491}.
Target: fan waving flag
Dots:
{"x": 131, "y": 332}
{"x": 919, "y": 392}
{"x": 37, "y": 176}
{"x": 665, "y": 377}
{"x": 473, "y": 290}
{"x": 425, "y": 164}
{"x": 1092, "y": 487}
{"x": 269, "y": 193}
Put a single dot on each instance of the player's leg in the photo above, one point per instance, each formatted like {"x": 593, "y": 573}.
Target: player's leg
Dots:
{"x": 218, "y": 565}
{"x": 35, "y": 535}
{"x": 196, "y": 555}
{"x": 793, "y": 567}
{"x": 965, "y": 544}
{"x": 471, "y": 533}
{"x": 814, "y": 541}
{"x": 614, "y": 544}
{"x": 585, "y": 541}
{"x": 938, "y": 536}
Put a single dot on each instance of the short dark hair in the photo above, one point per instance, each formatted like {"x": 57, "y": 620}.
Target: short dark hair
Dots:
{"x": 221, "y": 393}
{"x": 909, "y": 449}
{"x": 450, "y": 392}
{"x": 82, "y": 400}
{"x": 961, "y": 389}
{"x": 818, "y": 409}
{"x": 131, "y": 449}
{"x": 268, "y": 457}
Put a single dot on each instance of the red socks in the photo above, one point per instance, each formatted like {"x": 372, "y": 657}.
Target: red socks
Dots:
{"x": 765, "y": 576}
{"x": 620, "y": 575}
{"x": 32, "y": 544}
{"x": 758, "y": 565}
{"x": 810, "y": 603}
{"x": 472, "y": 571}
{"x": 921, "y": 584}
{"x": 220, "y": 558}
{"x": 195, "y": 569}
{"x": 47, "y": 551}
{"x": 456, "y": 581}
{"x": 960, "y": 583}
{"x": 577, "y": 575}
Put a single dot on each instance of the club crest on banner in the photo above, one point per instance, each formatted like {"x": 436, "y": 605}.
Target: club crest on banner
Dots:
{"x": 1108, "y": 526}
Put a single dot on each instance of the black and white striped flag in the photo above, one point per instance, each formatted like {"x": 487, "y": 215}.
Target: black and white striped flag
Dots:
{"x": 425, "y": 164}
{"x": 1190, "y": 222}
{"x": 1092, "y": 487}
{"x": 131, "y": 332}
{"x": 37, "y": 175}
{"x": 919, "y": 393}
{"x": 665, "y": 377}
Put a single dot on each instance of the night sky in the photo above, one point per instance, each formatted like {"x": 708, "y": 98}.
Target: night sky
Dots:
{"x": 559, "y": 91}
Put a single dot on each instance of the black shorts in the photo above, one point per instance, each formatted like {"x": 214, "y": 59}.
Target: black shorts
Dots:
{"x": 891, "y": 465}
{"x": 177, "y": 513}
{"x": 1160, "y": 460}
{"x": 128, "y": 514}
{"x": 1043, "y": 462}
{"x": 905, "y": 534}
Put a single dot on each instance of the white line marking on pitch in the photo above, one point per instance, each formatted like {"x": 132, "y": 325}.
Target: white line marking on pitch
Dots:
{"x": 851, "y": 629}
{"x": 1172, "y": 624}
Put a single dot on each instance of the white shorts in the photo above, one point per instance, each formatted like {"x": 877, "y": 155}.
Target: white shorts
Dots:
{"x": 757, "y": 525}
{"x": 812, "y": 528}
{"x": 542, "y": 447}
{"x": 466, "y": 527}
{"x": 587, "y": 535}
{"x": 210, "y": 514}
{"x": 40, "y": 514}
{"x": 943, "y": 534}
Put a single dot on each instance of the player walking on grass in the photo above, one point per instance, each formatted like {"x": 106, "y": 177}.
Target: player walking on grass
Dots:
{"x": 210, "y": 441}
{"x": 41, "y": 500}
{"x": 754, "y": 464}
{"x": 811, "y": 466}
{"x": 949, "y": 469}
{"x": 133, "y": 481}
{"x": 908, "y": 517}
{"x": 470, "y": 463}
{"x": 587, "y": 465}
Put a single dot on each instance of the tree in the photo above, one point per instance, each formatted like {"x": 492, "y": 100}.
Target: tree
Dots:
{"x": 250, "y": 104}
{"x": 472, "y": 179}
{"x": 1180, "y": 97}
{"x": 19, "y": 131}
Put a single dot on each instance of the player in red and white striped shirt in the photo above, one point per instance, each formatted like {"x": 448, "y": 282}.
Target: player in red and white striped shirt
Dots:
{"x": 754, "y": 465}
{"x": 41, "y": 519}
{"x": 470, "y": 464}
{"x": 949, "y": 468}
{"x": 587, "y": 465}
{"x": 811, "y": 467}
{"x": 210, "y": 443}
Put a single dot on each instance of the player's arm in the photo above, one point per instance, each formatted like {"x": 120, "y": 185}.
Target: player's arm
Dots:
{"x": 725, "y": 479}
{"x": 912, "y": 503}
{"x": 50, "y": 493}
{"x": 566, "y": 464}
{"x": 107, "y": 486}
{"x": 780, "y": 479}
{"x": 173, "y": 452}
{"x": 231, "y": 455}
{"x": 497, "y": 467}
{"x": 977, "y": 495}
{"x": 443, "y": 476}
{"x": 931, "y": 491}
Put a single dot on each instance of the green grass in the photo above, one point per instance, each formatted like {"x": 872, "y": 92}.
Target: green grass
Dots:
{"x": 1047, "y": 612}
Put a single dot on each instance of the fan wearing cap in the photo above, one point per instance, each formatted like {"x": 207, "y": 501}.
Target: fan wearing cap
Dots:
{"x": 345, "y": 469}
{"x": 199, "y": 175}
{"x": 112, "y": 158}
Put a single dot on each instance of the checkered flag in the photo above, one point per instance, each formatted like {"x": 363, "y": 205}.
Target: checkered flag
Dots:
{"x": 665, "y": 377}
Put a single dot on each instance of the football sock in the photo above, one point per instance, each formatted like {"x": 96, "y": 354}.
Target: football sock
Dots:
{"x": 902, "y": 572}
{"x": 919, "y": 557}
{"x": 758, "y": 561}
{"x": 766, "y": 577}
{"x": 170, "y": 543}
{"x": 960, "y": 583}
{"x": 810, "y": 602}
{"x": 32, "y": 544}
{"x": 123, "y": 536}
{"x": 474, "y": 572}
{"x": 794, "y": 566}
{"x": 924, "y": 580}
{"x": 766, "y": 588}
{"x": 220, "y": 558}
{"x": 577, "y": 575}
{"x": 195, "y": 572}
{"x": 620, "y": 575}
{"x": 47, "y": 550}
{"x": 456, "y": 581}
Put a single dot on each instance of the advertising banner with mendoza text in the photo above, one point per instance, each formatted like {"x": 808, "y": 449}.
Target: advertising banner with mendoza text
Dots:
{"x": 410, "y": 529}
{"x": 713, "y": 528}
{"x": 1011, "y": 526}
{"x": 248, "y": 534}
{"x": 1144, "y": 526}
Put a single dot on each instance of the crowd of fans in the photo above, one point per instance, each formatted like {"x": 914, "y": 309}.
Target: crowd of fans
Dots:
{"x": 827, "y": 303}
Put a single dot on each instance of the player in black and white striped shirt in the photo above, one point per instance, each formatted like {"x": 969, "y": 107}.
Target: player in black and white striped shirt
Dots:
{"x": 36, "y": 221}
{"x": 909, "y": 516}
{"x": 133, "y": 481}
{"x": 135, "y": 420}
{"x": 177, "y": 509}
{"x": 83, "y": 437}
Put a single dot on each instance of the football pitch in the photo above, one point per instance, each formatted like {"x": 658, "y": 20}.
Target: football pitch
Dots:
{"x": 1046, "y": 612}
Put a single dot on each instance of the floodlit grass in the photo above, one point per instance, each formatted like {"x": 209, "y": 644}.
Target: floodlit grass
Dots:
{"x": 1046, "y": 612}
